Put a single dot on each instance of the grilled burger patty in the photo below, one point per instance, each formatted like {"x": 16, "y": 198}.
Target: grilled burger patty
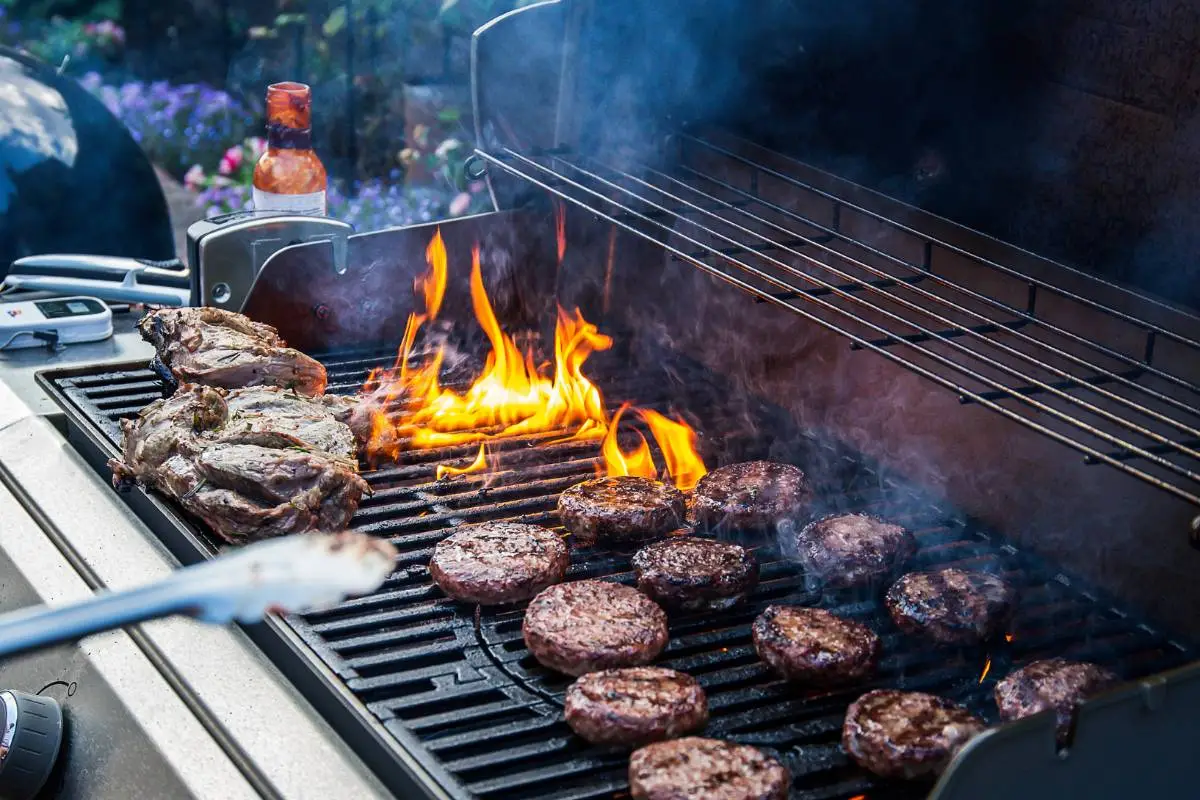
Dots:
{"x": 1054, "y": 683}
{"x": 951, "y": 606}
{"x": 590, "y": 625}
{"x": 692, "y": 573}
{"x": 853, "y": 549}
{"x": 752, "y": 494}
{"x": 620, "y": 508}
{"x": 711, "y": 769}
{"x": 814, "y": 646}
{"x": 906, "y": 734}
{"x": 635, "y": 705}
{"x": 498, "y": 562}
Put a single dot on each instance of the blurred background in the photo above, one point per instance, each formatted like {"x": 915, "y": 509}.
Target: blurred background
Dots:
{"x": 390, "y": 78}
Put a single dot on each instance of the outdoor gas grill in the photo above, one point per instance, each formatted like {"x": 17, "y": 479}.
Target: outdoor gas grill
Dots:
{"x": 1015, "y": 414}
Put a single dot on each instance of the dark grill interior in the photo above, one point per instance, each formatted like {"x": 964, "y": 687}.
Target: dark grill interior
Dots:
{"x": 461, "y": 683}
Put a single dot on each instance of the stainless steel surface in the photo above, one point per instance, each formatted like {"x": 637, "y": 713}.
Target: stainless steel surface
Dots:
{"x": 289, "y": 575}
{"x": 219, "y": 683}
{"x": 104, "y": 277}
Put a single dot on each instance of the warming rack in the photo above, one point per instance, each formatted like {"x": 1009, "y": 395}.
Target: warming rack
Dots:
{"x": 1077, "y": 370}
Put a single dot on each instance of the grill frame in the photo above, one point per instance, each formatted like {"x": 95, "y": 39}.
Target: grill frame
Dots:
{"x": 296, "y": 648}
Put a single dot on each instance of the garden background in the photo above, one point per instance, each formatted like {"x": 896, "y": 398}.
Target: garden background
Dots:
{"x": 391, "y": 107}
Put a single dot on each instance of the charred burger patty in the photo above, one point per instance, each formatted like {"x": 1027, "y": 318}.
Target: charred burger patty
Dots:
{"x": 620, "y": 508}
{"x": 906, "y": 734}
{"x": 691, "y": 573}
{"x": 951, "y": 606}
{"x": 814, "y": 646}
{"x": 591, "y": 625}
{"x": 695, "y": 767}
{"x": 1054, "y": 683}
{"x": 752, "y": 494}
{"x": 635, "y": 705}
{"x": 498, "y": 562}
{"x": 853, "y": 549}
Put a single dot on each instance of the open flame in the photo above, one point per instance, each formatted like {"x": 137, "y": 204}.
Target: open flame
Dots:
{"x": 512, "y": 396}
{"x": 987, "y": 667}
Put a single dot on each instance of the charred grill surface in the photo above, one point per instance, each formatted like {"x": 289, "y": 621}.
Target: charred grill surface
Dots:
{"x": 465, "y": 694}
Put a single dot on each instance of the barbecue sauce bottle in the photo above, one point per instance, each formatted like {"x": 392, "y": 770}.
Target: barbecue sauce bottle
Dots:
{"x": 289, "y": 176}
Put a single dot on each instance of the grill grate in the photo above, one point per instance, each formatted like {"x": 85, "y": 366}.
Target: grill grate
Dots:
{"x": 457, "y": 685}
{"x": 1084, "y": 373}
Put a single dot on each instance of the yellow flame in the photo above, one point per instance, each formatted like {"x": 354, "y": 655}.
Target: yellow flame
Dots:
{"x": 638, "y": 461}
{"x": 478, "y": 465}
{"x": 1008, "y": 637}
{"x": 987, "y": 667}
{"x": 677, "y": 442}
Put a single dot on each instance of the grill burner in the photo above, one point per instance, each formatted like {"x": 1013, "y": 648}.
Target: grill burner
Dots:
{"x": 456, "y": 687}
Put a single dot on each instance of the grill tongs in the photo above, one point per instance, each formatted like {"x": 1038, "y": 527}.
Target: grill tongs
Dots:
{"x": 289, "y": 575}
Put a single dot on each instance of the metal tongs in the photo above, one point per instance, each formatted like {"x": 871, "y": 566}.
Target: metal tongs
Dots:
{"x": 289, "y": 575}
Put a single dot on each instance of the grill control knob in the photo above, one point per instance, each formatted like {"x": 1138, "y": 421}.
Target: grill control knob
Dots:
{"x": 31, "y": 729}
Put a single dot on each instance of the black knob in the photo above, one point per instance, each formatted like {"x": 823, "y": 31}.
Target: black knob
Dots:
{"x": 31, "y": 729}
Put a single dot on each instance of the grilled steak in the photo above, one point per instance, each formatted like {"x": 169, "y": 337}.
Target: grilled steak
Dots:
{"x": 620, "y": 509}
{"x": 498, "y": 562}
{"x": 814, "y": 646}
{"x": 754, "y": 494}
{"x": 906, "y": 734}
{"x": 248, "y": 476}
{"x": 694, "y": 767}
{"x": 591, "y": 625}
{"x": 1054, "y": 683}
{"x": 635, "y": 705}
{"x": 691, "y": 573}
{"x": 221, "y": 348}
{"x": 951, "y": 606}
{"x": 853, "y": 549}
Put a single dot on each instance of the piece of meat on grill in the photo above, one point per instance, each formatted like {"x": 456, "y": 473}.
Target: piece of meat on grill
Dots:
{"x": 498, "y": 562}
{"x": 906, "y": 734}
{"x": 635, "y": 705}
{"x": 221, "y": 348}
{"x": 951, "y": 606}
{"x": 692, "y": 573}
{"x": 853, "y": 550}
{"x": 811, "y": 645}
{"x": 590, "y": 625}
{"x": 314, "y": 422}
{"x": 705, "y": 769}
{"x": 752, "y": 494}
{"x": 620, "y": 509}
{"x": 1053, "y": 683}
{"x": 246, "y": 479}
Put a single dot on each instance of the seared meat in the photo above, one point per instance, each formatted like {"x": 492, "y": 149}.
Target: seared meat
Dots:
{"x": 498, "y": 562}
{"x": 814, "y": 646}
{"x": 906, "y": 734}
{"x": 221, "y": 348}
{"x": 691, "y": 573}
{"x": 853, "y": 549}
{"x": 250, "y": 463}
{"x": 705, "y": 769}
{"x": 620, "y": 509}
{"x": 754, "y": 494}
{"x": 1054, "y": 683}
{"x": 635, "y": 705}
{"x": 591, "y": 625}
{"x": 951, "y": 606}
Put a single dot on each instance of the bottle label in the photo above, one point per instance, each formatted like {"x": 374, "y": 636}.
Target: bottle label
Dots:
{"x": 312, "y": 203}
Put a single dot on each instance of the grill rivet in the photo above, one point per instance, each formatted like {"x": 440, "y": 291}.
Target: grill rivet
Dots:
{"x": 321, "y": 311}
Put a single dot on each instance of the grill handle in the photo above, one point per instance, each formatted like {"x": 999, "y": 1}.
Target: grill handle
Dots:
{"x": 290, "y": 575}
{"x": 127, "y": 280}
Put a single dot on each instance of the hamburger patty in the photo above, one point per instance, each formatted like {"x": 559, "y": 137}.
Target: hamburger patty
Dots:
{"x": 635, "y": 705}
{"x": 691, "y": 573}
{"x": 752, "y": 494}
{"x": 951, "y": 606}
{"x": 906, "y": 734}
{"x": 711, "y": 769}
{"x": 620, "y": 508}
{"x": 590, "y": 625}
{"x": 498, "y": 562}
{"x": 1054, "y": 683}
{"x": 853, "y": 549}
{"x": 814, "y": 646}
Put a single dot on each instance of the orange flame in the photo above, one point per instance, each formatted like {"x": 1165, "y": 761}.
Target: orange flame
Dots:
{"x": 478, "y": 465}
{"x": 987, "y": 667}
{"x": 560, "y": 229}
{"x": 1008, "y": 637}
{"x": 512, "y": 395}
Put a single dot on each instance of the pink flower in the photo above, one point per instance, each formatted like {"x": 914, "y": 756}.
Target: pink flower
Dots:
{"x": 230, "y": 161}
{"x": 460, "y": 204}
{"x": 194, "y": 177}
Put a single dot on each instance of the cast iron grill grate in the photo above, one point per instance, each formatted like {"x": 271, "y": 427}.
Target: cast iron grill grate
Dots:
{"x": 460, "y": 684}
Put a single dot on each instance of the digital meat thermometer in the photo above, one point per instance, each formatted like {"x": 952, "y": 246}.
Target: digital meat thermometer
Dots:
{"x": 53, "y": 323}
